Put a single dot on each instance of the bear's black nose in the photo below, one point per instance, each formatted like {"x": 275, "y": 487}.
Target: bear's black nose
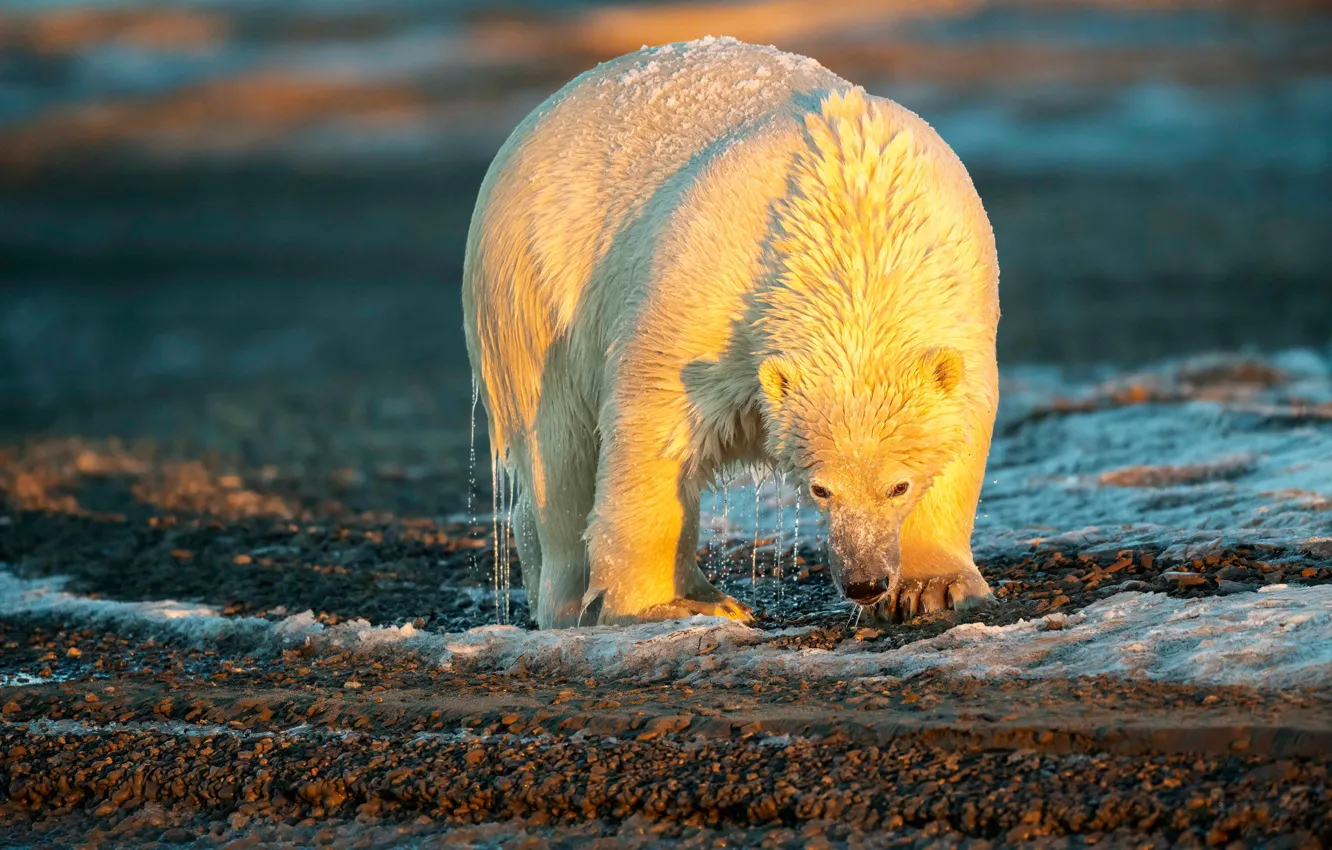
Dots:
{"x": 867, "y": 592}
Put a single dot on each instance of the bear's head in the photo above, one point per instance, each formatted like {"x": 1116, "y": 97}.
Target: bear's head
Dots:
{"x": 866, "y": 445}
{"x": 866, "y": 327}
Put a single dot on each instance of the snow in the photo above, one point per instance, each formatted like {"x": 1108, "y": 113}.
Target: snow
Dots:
{"x": 19, "y": 680}
{"x": 1217, "y": 462}
{"x": 193, "y": 624}
{"x": 713, "y": 77}
{"x": 1182, "y": 459}
{"x": 1278, "y": 638}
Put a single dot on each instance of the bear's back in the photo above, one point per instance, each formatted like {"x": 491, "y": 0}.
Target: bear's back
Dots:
{"x": 656, "y": 108}
{"x": 609, "y": 154}
{"x": 588, "y": 158}
{"x": 583, "y": 166}
{"x": 652, "y": 111}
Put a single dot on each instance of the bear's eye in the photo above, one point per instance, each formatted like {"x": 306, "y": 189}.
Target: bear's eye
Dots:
{"x": 820, "y": 492}
{"x": 899, "y": 490}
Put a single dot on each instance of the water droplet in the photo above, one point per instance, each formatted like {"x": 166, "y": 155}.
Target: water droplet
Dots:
{"x": 753, "y": 563}
{"x": 471, "y": 475}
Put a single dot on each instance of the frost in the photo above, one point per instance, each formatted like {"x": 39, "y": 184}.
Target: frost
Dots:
{"x": 1184, "y": 459}
{"x": 199, "y": 625}
{"x": 1278, "y": 638}
{"x": 19, "y": 680}
{"x": 183, "y": 621}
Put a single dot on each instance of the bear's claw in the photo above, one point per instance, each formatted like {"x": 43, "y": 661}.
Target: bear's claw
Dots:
{"x": 963, "y": 592}
{"x": 726, "y": 606}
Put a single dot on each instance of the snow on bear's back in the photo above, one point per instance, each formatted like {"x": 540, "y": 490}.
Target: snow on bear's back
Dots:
{"x": 657, "y": 107}
{"x": 582, "y": 167}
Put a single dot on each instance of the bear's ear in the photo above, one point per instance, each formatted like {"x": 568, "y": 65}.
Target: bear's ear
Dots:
{"x": 774, "y": 376}
{"x": 942, "y": 368}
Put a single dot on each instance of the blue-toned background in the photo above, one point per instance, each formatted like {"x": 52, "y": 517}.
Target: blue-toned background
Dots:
{"x": 199, "y": 193}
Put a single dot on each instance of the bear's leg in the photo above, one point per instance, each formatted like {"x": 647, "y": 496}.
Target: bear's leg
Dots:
{"x": 643, "y": 540}
{"x": 561, "y": 465}
{"x": 937, "y": 568}
{"x": 529, "y": 548}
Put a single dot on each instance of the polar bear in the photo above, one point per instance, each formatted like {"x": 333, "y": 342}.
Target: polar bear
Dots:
{"x": 713, "y": 254}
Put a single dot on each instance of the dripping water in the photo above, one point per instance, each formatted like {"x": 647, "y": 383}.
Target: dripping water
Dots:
{"x": 471, "y": 474}
{"x": 494, "y": 528}
{"x": 710, "y": 550}
{"x": 724, "y": 543}
{"x": 781, "y": 513}
{"x": 777, "y": 546}
{"x": 753, "y": 550}
{"x": 795, "y": 541}
{"x": 506, "y": 567}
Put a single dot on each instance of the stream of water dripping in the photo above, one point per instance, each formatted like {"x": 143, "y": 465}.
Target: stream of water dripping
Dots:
{"x": 710, "y": 554}
{"x": 495, "y": 528}
{"x": 753, "y": 551}
{"x": 795, "y": 539}
{"x": 777, "y": 546}
{"x": 726, "y": 525}
{"x": 506, "y": 565}
{"x": 471, "y": 477}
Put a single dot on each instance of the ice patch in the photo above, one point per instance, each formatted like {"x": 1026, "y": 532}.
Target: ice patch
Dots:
{"x": 192, "y": 624}
{"x": 1280, "y": 638}
{"x": 652, "y": 650}
{"x": 177, "y": 729}
{"x": 19, "y": 680}
{"x": 1183, "y": 459}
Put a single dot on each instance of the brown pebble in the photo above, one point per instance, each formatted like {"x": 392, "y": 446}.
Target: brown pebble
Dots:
{"x": 1184, "y": 579}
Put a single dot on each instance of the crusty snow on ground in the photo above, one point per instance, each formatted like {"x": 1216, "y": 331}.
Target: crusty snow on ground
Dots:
{"x": 1220, "y": 460}
{"x": 1225, "y": 457}
{"x": 1278, "y": 637}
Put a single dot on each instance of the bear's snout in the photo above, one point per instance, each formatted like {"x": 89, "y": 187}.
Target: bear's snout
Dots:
{"x": 865, "y": 554}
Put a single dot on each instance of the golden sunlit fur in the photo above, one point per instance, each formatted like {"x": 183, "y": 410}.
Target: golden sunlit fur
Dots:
{"x": 713, "y": 254}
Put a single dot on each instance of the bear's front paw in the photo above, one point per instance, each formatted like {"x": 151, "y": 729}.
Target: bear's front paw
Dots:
{"x": 726, "y": 606}
{"x": 963, "y": 591}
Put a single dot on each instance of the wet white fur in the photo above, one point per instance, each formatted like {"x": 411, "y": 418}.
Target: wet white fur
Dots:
{"x": 714, "y": 253}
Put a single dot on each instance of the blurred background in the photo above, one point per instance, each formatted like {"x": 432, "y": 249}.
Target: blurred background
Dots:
{"x": 208, "y": 193}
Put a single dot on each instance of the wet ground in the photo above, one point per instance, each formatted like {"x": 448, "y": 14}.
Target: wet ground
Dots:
{"x": 348, "y": 496}
{"x": 231, "y": 375}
